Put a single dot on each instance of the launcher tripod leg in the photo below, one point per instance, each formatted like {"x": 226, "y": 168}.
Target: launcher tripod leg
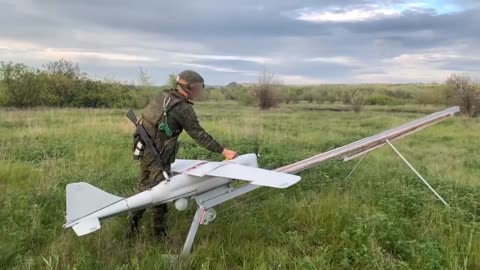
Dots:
{"x": 356, "y": 166}
{"x": 418, "y": 174}
{"x": 187, "y": 247}
{"x": 206, "y": 202}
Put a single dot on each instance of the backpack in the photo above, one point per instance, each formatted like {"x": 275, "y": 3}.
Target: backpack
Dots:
{"x": 154, "y": 120}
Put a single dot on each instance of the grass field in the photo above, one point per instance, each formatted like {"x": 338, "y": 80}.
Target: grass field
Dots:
{"x": 383, "y": 217}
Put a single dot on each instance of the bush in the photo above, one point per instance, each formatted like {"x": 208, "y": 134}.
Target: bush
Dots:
{"x": 266, "y": 91}
{"x": 308, "y": 95}
{"x": 466, "y": 94}
{"x": 399, "y": 94}
{"x": 356, "y": 98}
{"x": 291, "y": 95}
{"x": 22, "y": 86}
{"x": 61, "y": 83}
{"x": 247, "y": 99}
{"x": 378, "y": 99}
{"x": 430, "y": 96}
{"x": 216, "y": 95}
{"x": 3, "y": 98}
{"x": 64, "y": 81}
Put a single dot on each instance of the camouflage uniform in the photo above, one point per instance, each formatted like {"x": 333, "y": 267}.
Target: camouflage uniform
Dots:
{"x": 180, "y": 116}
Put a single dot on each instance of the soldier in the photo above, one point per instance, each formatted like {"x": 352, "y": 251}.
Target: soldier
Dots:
{"x": 164, "y": 119}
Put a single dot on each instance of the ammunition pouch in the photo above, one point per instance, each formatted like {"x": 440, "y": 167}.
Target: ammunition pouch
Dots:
{"x": 138, "y": 146}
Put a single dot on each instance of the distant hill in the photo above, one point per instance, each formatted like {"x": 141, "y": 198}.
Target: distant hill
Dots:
{"x": 233, "y": 85}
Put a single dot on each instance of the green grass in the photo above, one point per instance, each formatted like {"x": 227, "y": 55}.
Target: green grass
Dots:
{"x": 383, "y": 217}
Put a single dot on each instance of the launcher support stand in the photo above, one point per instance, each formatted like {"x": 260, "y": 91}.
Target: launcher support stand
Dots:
{"x": 193, "y": 231}
{"x": 205, "y": 212}
{"x": 208, "y": 200}
{"x": 417, "y": 173}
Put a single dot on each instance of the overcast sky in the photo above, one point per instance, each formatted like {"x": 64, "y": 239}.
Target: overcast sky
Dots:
{"x": 302, "y": 42}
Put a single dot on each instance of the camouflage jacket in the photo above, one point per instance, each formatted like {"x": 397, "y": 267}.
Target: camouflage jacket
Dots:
{"x": 180, "y": 116}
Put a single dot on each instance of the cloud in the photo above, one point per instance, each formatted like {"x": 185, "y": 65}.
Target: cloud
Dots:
{"x": 341, "y": 60}
{"x": 38, "y": 52}
{"x": 418, "y": 58}
{"x": 375, "y": 11}
{"x": 217, "y": 68}
{"x": 357, "y": 14}
{"x": 298, "y": 79}
{"x": 255, "y": 59}
{"x": 433, "y": 65}
{"x": 52, "y": 53}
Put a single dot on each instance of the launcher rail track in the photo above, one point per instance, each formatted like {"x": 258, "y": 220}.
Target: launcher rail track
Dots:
{"x": 208, "y": 200}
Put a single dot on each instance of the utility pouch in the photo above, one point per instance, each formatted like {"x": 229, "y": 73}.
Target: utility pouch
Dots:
{"x": 138, "y": 146}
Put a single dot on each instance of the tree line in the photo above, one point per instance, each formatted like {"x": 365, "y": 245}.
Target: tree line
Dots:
{"x": 459, "y": 89}
{"x": 63, "y": 84}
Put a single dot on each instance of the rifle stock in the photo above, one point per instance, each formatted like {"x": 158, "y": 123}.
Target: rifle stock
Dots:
{"x": 131, "y": 115}
{"x": 148, "y": 141}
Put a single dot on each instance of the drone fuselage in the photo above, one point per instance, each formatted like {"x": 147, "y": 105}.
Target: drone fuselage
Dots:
{"x": 180, "y": 187}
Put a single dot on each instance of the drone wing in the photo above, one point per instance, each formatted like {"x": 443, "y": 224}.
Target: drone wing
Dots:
{"x": 226, "y": 169}
{"x": 181, "y": 165}
{"x": 256, "y": 176}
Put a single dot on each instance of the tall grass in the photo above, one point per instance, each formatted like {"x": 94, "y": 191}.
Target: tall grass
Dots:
{"x": 380, "y": 218}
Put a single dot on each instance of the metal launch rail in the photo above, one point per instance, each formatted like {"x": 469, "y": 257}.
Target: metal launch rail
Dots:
{"x": 208, "y": 200}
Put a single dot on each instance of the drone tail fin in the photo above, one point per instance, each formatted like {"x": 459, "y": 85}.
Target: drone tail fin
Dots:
{"x": 84, "y": 199}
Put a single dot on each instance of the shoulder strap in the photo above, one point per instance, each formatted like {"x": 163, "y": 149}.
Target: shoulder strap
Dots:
{"x": 171, "y": 100}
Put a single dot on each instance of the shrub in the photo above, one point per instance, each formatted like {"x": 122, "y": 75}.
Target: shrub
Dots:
{"x": 308, "y": 95}
{"x": 266, "y": 91}
{"x": 399, "y": 94}
{"x": 216, "y": 95}
{"x": 22, "y": 86}
{"x": 61, "y": 83}
{"x": 3, "y": 98}
{"x": 172, "y": 80}
{"x": 292, "y": 95}
{"x": 378, "y": 99}
{"x": 247, "y": 98}
{"x": 466, "y": 93}
{"x": 356, "y": 98}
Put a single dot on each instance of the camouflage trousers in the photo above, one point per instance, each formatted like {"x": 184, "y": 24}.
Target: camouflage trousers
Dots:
{"x": 150, "y": 176}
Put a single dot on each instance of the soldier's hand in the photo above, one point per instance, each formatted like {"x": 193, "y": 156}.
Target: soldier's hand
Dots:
{"x": 229, "y": 154}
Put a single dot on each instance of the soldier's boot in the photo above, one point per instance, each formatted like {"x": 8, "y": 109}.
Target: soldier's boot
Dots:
{"x": 134, "y": 224}
{"x": 160, "y": 221}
